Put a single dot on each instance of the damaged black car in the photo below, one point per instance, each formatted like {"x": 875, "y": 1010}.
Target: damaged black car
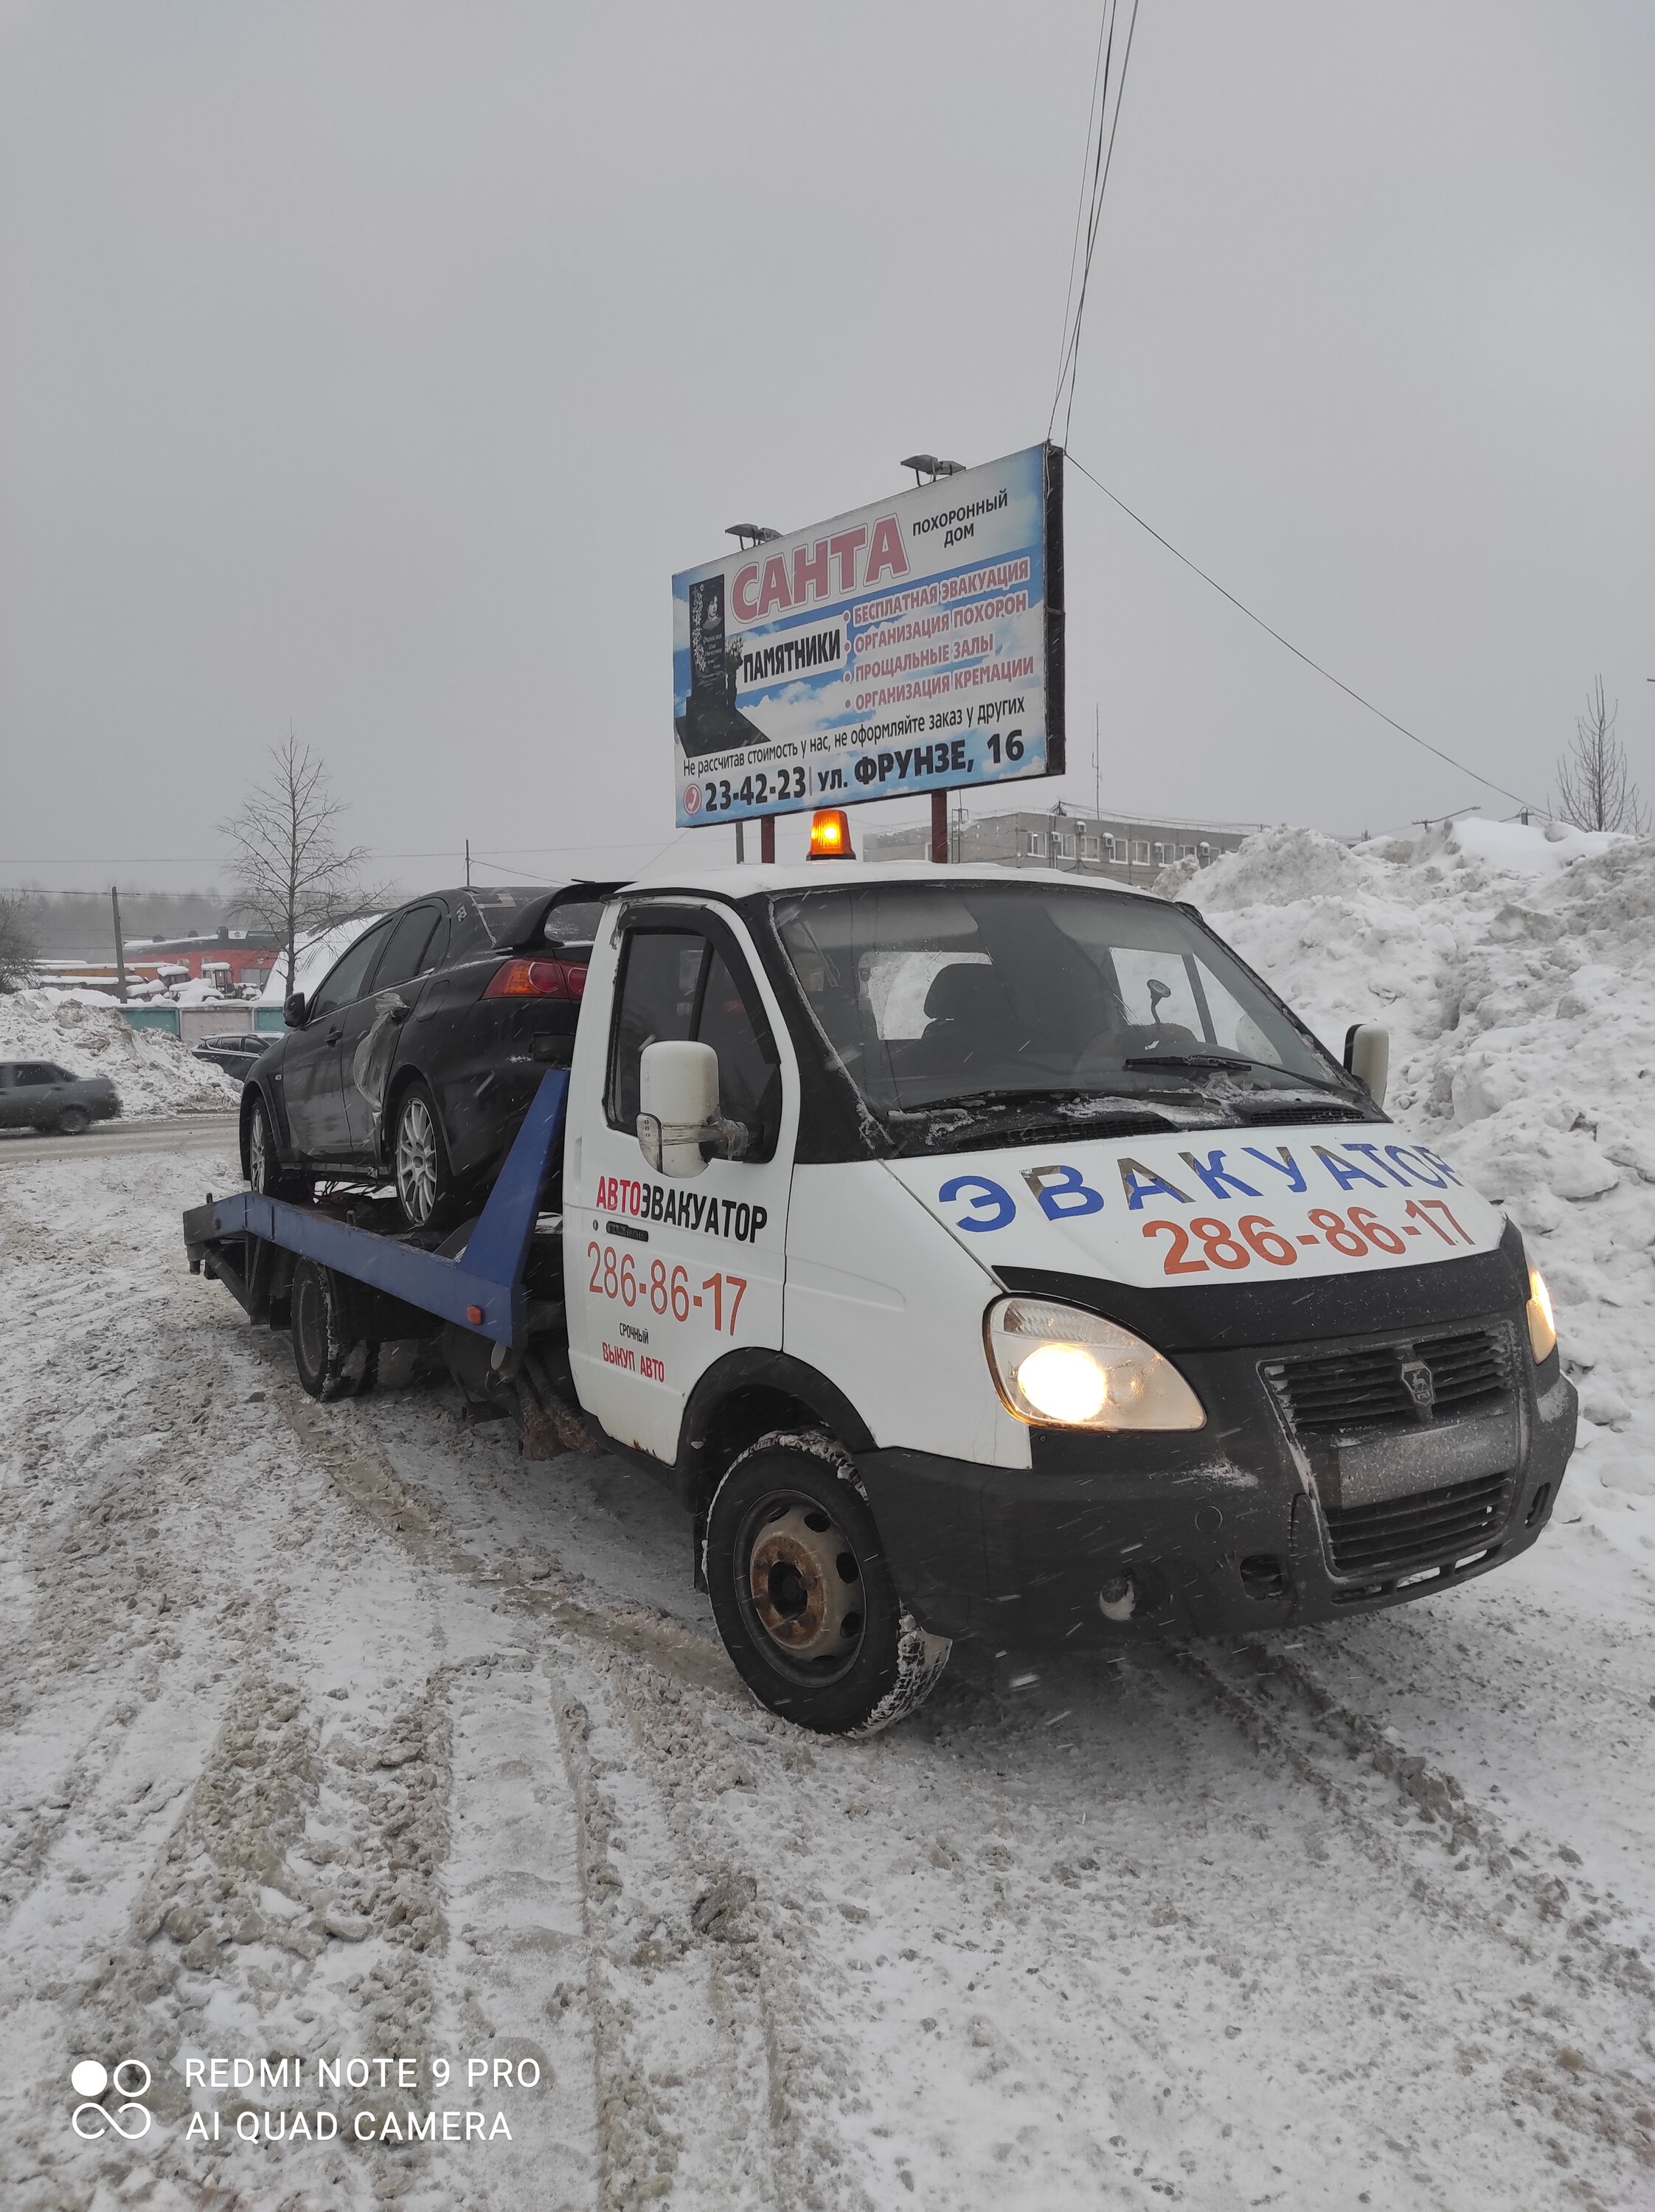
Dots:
{"x": 415, "y": 1059}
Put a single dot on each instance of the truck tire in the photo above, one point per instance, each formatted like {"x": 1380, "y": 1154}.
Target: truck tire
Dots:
{"x": 419, "y": 1161}
{"x": 332, "y": 1359}
{"x": 803, "y": 1595}
{"x": 265, "y": 1173}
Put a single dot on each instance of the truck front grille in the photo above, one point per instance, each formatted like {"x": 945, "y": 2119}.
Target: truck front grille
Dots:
{"x": 1366, "y": 1387}
{"x": 1396, "y": 1535}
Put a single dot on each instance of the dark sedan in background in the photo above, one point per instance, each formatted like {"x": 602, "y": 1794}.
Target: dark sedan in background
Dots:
{"x": 234, "y": 1050}
{"x": 415, "y": 1059}
{"x": 38, "y": 1094}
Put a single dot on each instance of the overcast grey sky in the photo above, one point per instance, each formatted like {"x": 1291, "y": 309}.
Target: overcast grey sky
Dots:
{"x": 372, "y": 366}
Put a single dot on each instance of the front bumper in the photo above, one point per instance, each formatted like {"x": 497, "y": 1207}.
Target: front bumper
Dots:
{"x": 1198, "y": 1534}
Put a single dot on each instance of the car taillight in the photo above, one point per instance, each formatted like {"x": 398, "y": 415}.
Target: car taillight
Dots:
{"x": 537, "y": 979}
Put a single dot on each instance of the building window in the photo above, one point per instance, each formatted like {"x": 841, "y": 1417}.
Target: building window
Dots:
{"x": 1089, "y": 848}
{"x": 1160, "y": 856}
{"x": 1062, "y": 847}
{"x": 1141, "y": 852}
{"x": 1037, "y": 845}
{"x": 1186, "y": 852}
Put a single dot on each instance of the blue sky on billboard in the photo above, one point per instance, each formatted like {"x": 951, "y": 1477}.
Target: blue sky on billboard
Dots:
{"x": 374, "y": 367}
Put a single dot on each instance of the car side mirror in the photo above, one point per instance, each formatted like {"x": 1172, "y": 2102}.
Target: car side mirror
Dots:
{"x": 1367, "y": 1057}
{"x": 294, "y": 1009}
{"x": 679, "y": 1125}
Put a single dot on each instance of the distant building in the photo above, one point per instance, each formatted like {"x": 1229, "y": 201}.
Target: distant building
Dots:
{"x": 233, "y": 958}
{"x": 1126, "y": 849}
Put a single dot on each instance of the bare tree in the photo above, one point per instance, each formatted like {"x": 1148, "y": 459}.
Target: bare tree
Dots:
{"x": 292, "y": 877}
{"x": 1595, "y": 790}
{"x": 18, "y": 948}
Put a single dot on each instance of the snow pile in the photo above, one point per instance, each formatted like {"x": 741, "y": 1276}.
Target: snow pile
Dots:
{"x": 81, "y": 1030}
{"x": 1515, "y": 969}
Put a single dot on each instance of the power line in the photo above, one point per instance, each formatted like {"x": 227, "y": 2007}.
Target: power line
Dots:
{"x": 1412, "y": 736}
{"x": 1103, "y": 156}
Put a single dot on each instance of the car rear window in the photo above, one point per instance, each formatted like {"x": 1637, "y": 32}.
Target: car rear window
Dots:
{"x": 483, "y": 918}
{"x": 573, "y": 921}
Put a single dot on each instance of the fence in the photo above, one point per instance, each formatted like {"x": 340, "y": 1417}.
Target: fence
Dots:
{"x": 189, "y": 1024}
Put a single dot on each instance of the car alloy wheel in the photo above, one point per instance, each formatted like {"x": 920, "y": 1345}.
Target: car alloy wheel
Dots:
{"x": 74, "y": 1119}
{"x": 259, "y": 1158}
{"x": 417, "y": 1163}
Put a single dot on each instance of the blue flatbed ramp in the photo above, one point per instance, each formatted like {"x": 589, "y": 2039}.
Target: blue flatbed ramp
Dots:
{"x": 480, "y": 1288}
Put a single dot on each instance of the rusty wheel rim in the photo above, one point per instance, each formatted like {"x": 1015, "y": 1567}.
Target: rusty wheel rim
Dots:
{"x": 802, "y": 1586}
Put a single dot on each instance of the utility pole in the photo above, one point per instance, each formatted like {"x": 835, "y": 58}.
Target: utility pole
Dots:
{"x": 120, "y": 945}
{"x": 468, "y": 864}
{"x": 740, "y": 843}
{"x": 939, "y": 827}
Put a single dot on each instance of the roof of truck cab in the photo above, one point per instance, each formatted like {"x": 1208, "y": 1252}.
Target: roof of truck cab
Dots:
{"x": 733, "y": 883}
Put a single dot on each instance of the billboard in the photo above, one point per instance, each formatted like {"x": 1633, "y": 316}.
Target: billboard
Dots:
{"x": 915, "y": 645}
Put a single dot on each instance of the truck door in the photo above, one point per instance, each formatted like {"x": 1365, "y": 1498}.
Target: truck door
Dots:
{"x": 665, "y": 1274}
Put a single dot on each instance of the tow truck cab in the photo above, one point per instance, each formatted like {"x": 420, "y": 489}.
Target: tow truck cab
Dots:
{"x": 994, "y": 1254}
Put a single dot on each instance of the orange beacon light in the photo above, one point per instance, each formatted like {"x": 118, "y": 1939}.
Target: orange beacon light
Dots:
{"x": 830, "y": 834}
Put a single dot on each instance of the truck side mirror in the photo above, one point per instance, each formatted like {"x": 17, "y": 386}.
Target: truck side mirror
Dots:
{"x": 680, "y": 1128}
{"x": 1367, "y": 1057}
{"x": 678, "y": 1093}
{"x": 294, "y": 1009}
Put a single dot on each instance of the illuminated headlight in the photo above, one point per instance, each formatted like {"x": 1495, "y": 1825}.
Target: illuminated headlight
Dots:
{"x": 1543, "y": 1326}
{"x": 1059, "y": 1367}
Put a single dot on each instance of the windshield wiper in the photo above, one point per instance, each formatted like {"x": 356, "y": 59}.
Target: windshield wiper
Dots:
{"x": 1206, "y": 1060}
{"x": 1017, "y": 1116}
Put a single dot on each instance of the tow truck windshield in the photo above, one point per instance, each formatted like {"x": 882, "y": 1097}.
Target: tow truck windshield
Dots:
{"x": 968, "y": 1006}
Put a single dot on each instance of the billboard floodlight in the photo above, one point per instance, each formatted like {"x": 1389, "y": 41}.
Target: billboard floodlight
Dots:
{"x": 927, "y": 465}
{"x": 752, "y": 533}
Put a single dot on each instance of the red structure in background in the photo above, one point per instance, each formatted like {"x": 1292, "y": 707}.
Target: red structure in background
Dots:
{"x": 232, "y": 958}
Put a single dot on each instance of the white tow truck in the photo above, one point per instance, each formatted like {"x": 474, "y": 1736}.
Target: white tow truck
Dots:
{"x": 974, "y": 1253}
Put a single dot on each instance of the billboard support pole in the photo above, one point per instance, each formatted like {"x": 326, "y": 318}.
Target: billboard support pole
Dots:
{"x": 940, "y": 826}
{"x": 767, "y": 837}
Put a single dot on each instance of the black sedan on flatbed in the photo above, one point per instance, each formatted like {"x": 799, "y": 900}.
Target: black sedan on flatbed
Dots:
{"x": 415, "y": 1059}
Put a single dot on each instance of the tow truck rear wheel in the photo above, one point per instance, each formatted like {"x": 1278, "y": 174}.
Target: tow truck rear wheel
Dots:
{"x": 803, "y": 1594}
{"x": 333, "y": 1359}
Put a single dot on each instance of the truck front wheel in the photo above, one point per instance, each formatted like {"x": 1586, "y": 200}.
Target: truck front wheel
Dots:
{"x": 802, "y": 1592}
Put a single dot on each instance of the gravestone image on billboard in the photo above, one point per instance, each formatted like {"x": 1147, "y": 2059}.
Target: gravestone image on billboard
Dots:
{"x": 914, "y": 645}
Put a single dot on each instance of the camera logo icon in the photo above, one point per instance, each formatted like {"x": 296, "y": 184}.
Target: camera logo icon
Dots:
{"x": 129, "y": 2081}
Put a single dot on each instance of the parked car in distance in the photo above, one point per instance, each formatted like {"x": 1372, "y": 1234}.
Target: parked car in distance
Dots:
{"x": 37, "y": 1094}
{"x": 234, "y": 1050}
{"x": 415, "y": 1059}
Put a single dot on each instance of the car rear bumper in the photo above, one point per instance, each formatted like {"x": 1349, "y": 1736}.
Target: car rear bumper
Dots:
{"x": 1206, "y": 1534}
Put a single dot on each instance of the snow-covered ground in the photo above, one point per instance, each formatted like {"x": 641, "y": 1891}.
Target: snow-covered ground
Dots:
{"x": 151, "y": 1071}
{"x": 343, "y": 1732}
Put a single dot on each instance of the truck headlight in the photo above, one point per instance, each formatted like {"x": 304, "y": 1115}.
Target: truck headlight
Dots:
{"x": 1542, "y": 1325}
{"x": 1060, "y": 1367}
